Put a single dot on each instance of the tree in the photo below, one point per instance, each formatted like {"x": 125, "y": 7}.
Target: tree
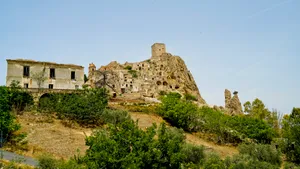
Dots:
{"x": 15, "y": 84}
{"x": 291, "y": 132}
{"x": 39, "y": 77}
{"x": 85, "y": 78}
{"x": 257, "y": 109}
{"x": 125, "y": 145}
{"x": 106, "y": 78}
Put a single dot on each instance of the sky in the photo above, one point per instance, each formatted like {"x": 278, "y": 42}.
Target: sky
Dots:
{"x": 251, "y": 46}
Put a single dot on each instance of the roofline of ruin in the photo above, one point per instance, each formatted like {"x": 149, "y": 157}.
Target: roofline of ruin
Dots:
{"x": 44, "y": 63}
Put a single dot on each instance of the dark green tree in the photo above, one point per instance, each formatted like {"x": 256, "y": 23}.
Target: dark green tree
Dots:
{"x": 291, "y": 132}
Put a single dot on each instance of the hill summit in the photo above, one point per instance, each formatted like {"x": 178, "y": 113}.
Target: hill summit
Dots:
{"x": 162, "y": 73}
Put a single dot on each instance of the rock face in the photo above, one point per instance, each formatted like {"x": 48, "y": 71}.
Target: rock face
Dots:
{"x": 233, "y": 105}
{"x": 162, "y": 73}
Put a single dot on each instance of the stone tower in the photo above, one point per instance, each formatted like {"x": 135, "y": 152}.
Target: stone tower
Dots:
{"x": 92, "y": 68}
{"x": 157, "y": 50}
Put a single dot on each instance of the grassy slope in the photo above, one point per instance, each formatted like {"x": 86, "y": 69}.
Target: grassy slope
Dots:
{"x": 50, "y": 135}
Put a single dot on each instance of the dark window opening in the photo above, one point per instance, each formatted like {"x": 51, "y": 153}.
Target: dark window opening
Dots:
{"x": 26, "y": 85}
{"x": 126, "y": 85}
{"x": 176, "y": 87}
{"x": 165, "y": 83}
{"x": 73, "y": 75}
{"x": 123, "y": 90}
{"x": 52, "y": 73}
{"x": 113, "y": 86}
{"x": 158, "y": 83}
{"x": 26, "y": 70}
{"x": 50, "y": 86}
{"x": 171, "y": 87}
{"x": 114, "y": 95}
{"x": 131, "y": 86}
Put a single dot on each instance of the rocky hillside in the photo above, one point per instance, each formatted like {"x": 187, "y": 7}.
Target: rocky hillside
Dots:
{"x": 164, "y": 72}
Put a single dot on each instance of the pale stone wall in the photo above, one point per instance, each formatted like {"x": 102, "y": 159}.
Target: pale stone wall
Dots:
{"x": 158, "y": 49}
{"x": 62, "y": 74}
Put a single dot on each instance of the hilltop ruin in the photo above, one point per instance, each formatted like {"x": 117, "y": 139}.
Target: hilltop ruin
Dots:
{"x": 163, "y": 72}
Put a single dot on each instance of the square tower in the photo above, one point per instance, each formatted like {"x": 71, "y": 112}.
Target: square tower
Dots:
{"x": 157, "y": 50}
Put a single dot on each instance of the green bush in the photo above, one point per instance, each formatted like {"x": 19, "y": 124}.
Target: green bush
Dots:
{"x": 190, "y": 97}
{"x": 133, "y": 73}
{"x": 85, "y": 107}
{"x": 12, "y": 99}
{"x": 128, "y": 67}
{"x": 125, "y": 145}
{"x": 194, "y": 154}
{"x": 48, "y": 162}
{"x": 290, "y": 166}
{"x": 8, "y": 125}
{"x": 179, "y": 113}
{"x": 233, "y": 129}
{"x": 247, "y": 162}
{"x": 213, "y": 161}
{"x": 261, "y": 152}
{"x": 115, "y": 116}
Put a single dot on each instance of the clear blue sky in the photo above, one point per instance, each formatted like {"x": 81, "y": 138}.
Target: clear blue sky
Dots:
{"x": 251, "y": 46}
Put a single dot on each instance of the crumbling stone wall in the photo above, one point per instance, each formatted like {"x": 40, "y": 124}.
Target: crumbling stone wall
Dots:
{"x": 163, "y": 72}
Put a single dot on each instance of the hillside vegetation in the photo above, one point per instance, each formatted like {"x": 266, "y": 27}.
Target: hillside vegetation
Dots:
{"x": 117, "y": 141}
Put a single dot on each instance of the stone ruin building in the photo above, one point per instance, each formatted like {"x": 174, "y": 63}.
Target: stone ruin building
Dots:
{"x": 58, "y": 76}
{"x": 163, "y": 72}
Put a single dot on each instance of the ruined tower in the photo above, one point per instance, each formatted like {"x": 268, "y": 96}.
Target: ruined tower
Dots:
{"x": 157, "y": 50}
{"x": 92, "y": 68}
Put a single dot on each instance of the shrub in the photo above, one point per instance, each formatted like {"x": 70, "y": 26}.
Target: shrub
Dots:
{"x": 133, "y": 73}
{"x": 86, "y": 107}
{"x": 247, "y": 162}
{"x": 20, "y": 99}
{"x": 290, "y": 166}
{"x": 115, "y": 116}
{"x": 125, "y": 145}
{"x": 234, "y": 129}
{"x": 179, "y": 113}
{"x": 128, "y": 67}
{"x": 213, "y": 161}
{"x": 8, "y": 125}
{"x": 48, "y": 162}
{"x": 194, "y": 154}
{"x": 190, "y": 97}
{"x": 263, "y": 153}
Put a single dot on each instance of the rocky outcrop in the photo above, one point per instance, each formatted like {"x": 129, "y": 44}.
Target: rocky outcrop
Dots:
{"x": 163, "y": 72}
{"x": 233, "y": 105}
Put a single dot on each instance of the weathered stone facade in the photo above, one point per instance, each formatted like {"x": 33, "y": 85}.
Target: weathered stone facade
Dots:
{"x": 58, "y": 76}
{"x": 163, "y": 72}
